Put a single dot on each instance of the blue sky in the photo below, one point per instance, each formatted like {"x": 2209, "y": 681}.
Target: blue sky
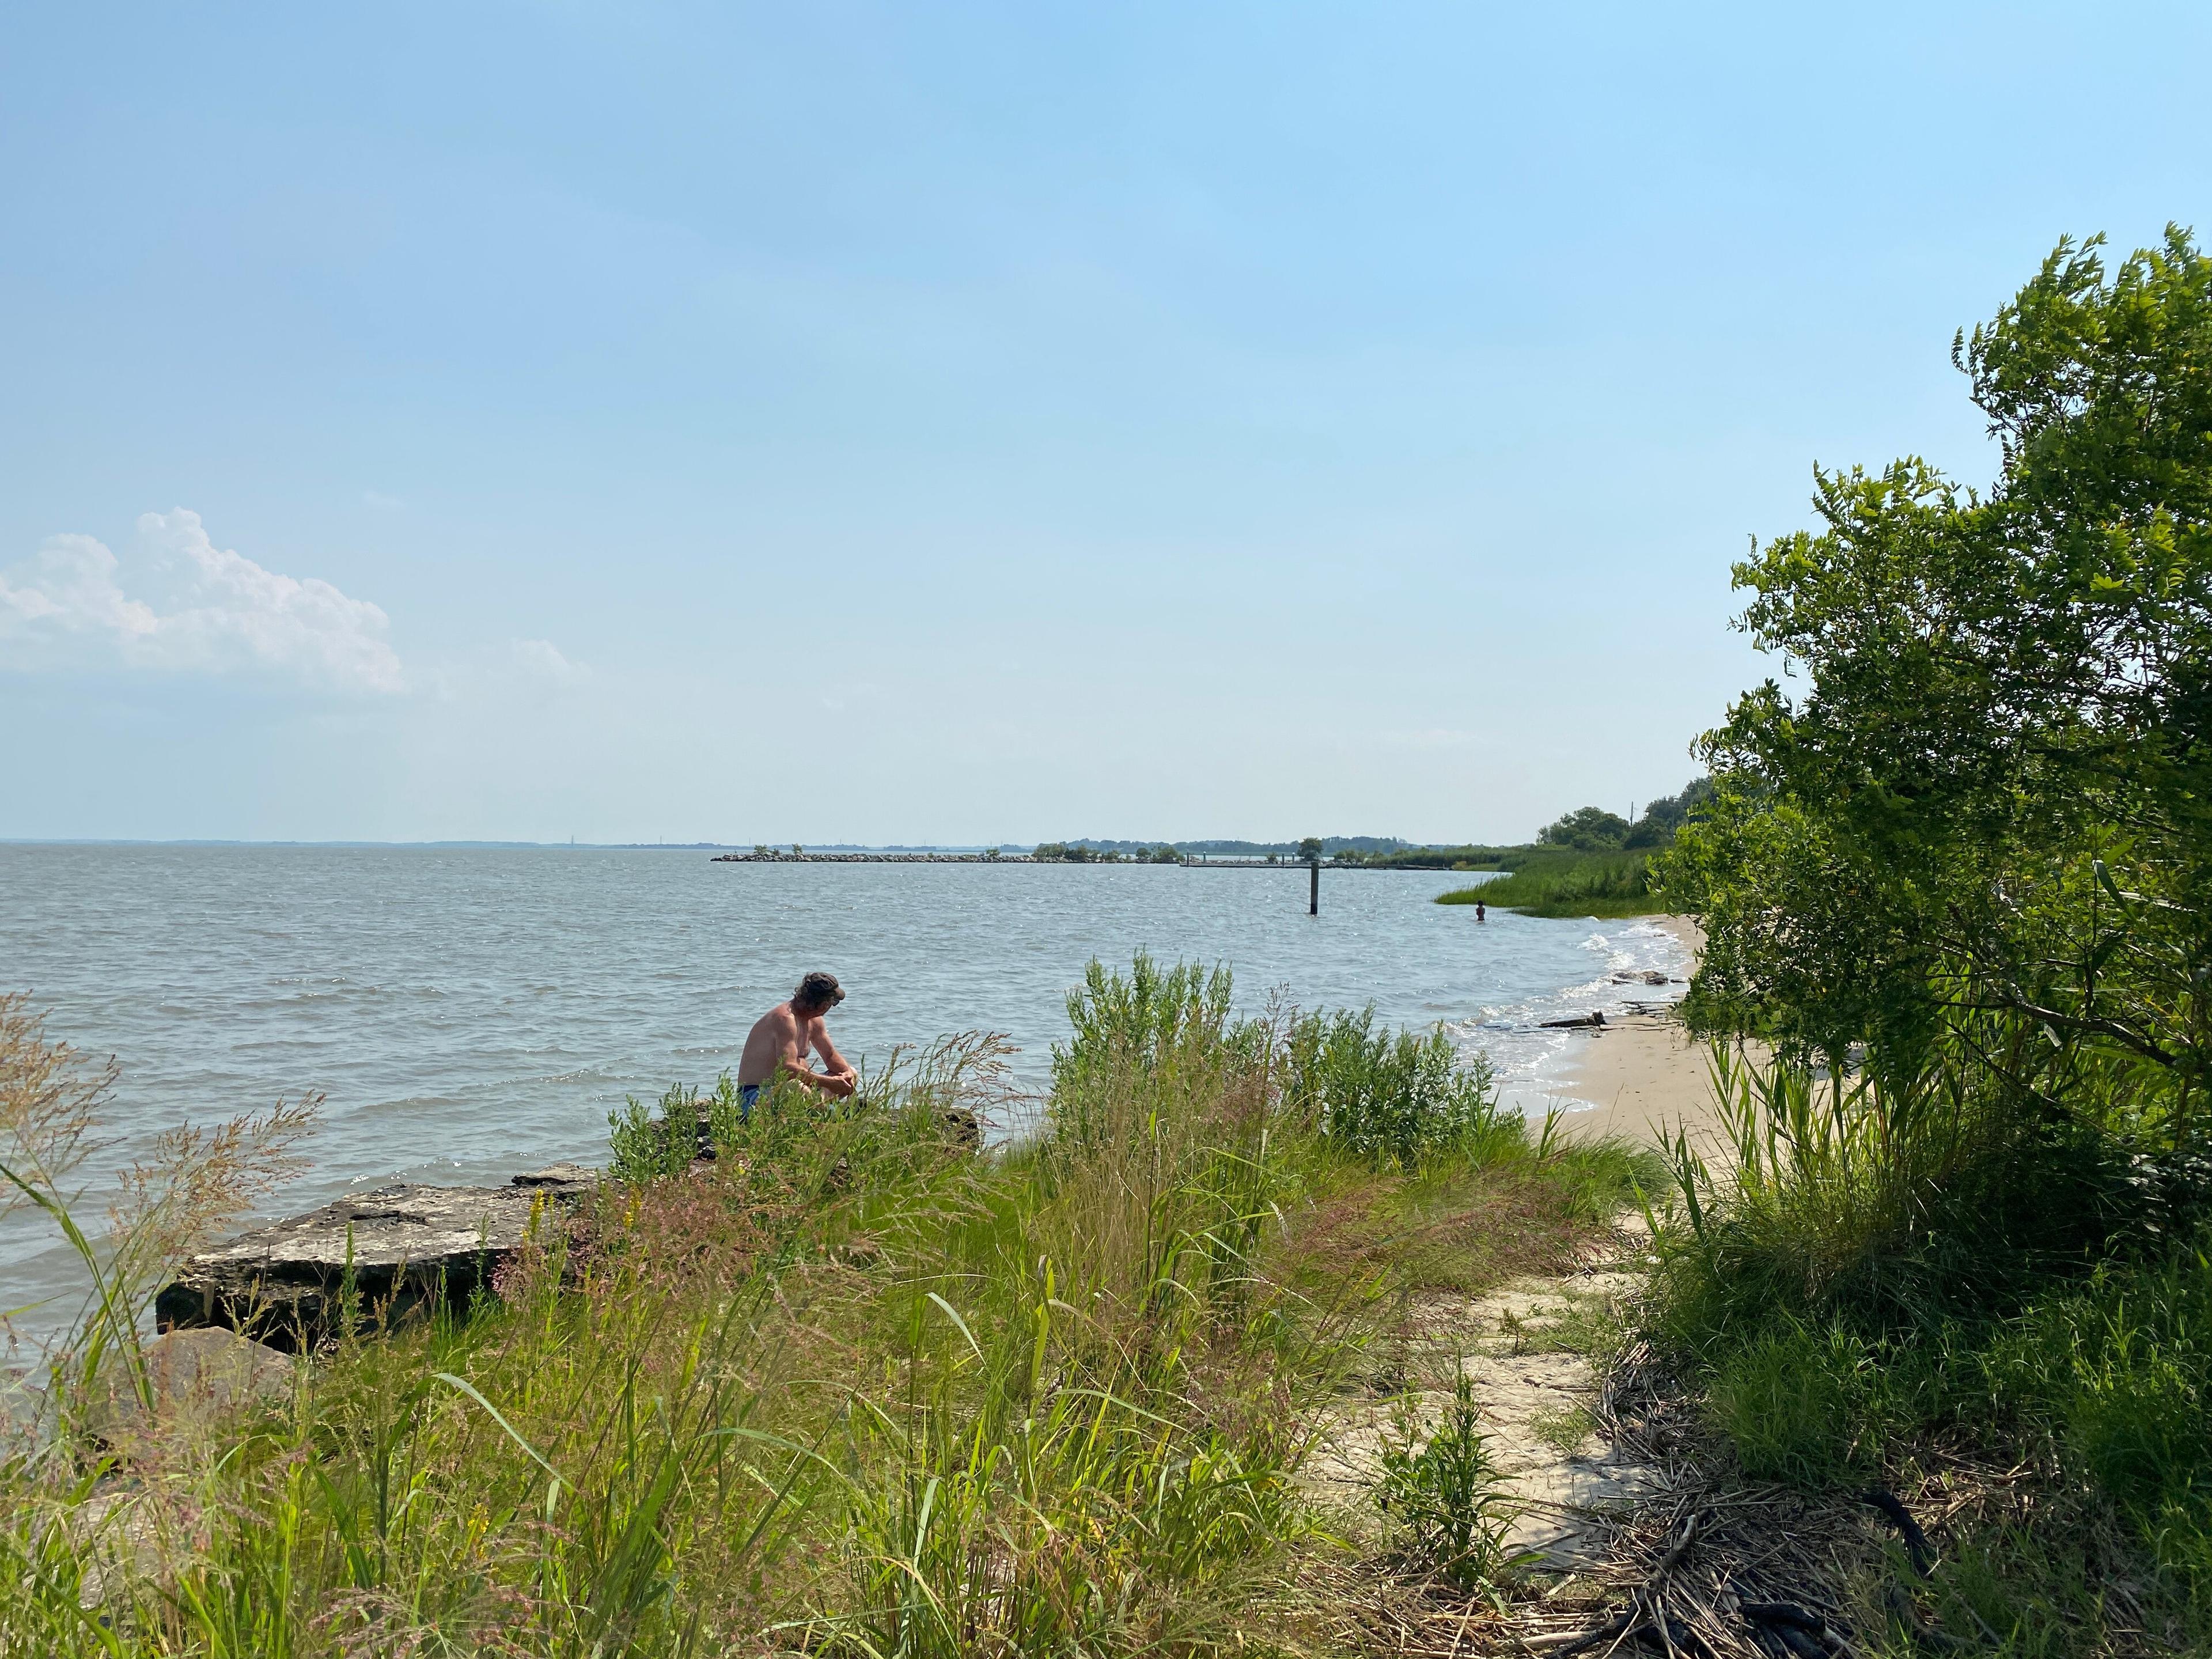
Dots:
{"x": 972, "y": 423}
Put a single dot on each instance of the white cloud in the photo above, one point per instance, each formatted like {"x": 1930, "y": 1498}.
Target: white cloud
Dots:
{"x": 220, "y": 613}
{"x": 70, "y": 588}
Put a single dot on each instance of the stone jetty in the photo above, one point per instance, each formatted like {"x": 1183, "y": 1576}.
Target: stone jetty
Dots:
{"x": 405, "y": 1248}
{"x": 770, "y": 857}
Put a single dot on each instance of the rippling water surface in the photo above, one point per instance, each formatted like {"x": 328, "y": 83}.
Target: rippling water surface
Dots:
{"x": 471, "y": 1013}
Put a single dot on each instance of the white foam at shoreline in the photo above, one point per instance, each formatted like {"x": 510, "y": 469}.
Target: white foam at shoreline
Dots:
{"x": 1530, "y": 1060}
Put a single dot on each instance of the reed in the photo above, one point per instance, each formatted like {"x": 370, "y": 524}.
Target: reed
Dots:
{"x": 1563, "y": 882}
{"x": 1863, "y": 1269}
{"x": 847, "y": 1390}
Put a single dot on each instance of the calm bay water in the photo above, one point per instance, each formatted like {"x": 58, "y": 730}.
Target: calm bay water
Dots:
{"x": 469, "y": 1014}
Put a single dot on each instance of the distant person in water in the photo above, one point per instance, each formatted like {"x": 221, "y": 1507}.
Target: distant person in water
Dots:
{"x": 1481, "y": 911}
{"x": 781, "y": 1037}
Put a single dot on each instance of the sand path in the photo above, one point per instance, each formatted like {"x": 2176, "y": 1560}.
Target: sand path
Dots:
{"x": 1525, "y": 1346}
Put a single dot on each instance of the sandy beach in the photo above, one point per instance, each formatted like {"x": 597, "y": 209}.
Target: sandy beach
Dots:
{"x": 1643, "y": 1074}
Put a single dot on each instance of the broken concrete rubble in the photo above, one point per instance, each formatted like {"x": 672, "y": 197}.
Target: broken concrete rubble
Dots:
{"x": 395, "y": 1250}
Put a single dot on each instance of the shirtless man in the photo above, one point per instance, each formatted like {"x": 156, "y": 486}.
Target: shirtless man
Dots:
{"x": 781, "y": 1037}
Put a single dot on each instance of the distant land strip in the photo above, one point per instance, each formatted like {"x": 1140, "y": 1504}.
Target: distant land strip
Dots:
{"x": 1187, "y": 861}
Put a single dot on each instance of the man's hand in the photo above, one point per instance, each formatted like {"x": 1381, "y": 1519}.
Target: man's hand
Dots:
{"x": 836, "y": 1084}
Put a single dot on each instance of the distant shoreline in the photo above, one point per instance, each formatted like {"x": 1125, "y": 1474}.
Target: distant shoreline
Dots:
{"x": 1194, "y": 861}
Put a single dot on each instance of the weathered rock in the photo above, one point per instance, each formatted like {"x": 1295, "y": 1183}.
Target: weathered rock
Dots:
{"x": 405, "y": 1248}
{"x": 558, "y": 1175}
{"x": 195, "y": 1377}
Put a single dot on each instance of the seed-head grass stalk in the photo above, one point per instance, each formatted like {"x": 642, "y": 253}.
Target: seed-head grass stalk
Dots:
{"x": 193, "y": 1181}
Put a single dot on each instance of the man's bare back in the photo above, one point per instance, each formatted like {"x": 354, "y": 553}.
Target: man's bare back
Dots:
{"x": 781, "y": 1038}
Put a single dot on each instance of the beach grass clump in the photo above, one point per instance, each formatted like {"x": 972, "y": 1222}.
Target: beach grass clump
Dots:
{"x": 850, "y": 1388}
{"x": 1871, "y": 1274}
{"x": 1565, "y": 882}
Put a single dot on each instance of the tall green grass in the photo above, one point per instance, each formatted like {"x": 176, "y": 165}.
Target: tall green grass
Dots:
{"x": 1864, "y": 1268}
{"x": 848, "y": 1390}
{"x": 1546, "y": 881}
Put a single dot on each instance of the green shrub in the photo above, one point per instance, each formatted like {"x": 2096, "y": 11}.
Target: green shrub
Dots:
{"x": 2120, "y": 1370}
{"x": 1793, "y": 1402}
{"x": 1395, "y": 1096}
{"x": 642, "y": 1147}
{"x": 1873, "y": 1261}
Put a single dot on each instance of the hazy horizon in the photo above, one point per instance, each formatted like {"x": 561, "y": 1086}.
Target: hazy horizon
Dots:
{"x": 680, "y": 845}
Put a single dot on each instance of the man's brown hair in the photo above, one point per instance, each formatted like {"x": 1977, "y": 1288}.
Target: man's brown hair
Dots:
{"x": 817, "y": 992}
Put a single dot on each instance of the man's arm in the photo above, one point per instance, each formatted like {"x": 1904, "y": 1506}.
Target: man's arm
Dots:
{"x": 834, "y": 1063}
{"x": 791, "y": 1057}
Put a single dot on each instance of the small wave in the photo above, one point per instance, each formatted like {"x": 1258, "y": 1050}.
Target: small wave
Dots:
{"x": 1524, "y": 1054}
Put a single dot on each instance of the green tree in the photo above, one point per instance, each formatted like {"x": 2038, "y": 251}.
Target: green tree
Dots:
{"x": 1664, "y": 816}
{"x": 1309, "y": 848}
{"x": 1993, "y": 792}
{"x": 1587, "y": 830}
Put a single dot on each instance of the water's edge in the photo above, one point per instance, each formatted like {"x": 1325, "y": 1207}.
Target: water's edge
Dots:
{"x": 469, "y": 1013}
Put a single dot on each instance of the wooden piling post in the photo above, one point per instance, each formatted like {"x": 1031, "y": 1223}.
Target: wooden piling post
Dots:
{"x": 1313, "y": 896}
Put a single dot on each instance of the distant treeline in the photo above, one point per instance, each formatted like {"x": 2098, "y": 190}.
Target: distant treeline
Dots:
{"x": 1590, "y": 862}
{"x": 1083, "y": 852}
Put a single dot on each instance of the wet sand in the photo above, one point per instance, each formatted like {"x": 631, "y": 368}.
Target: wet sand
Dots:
{"x": 1641, "y": 1072}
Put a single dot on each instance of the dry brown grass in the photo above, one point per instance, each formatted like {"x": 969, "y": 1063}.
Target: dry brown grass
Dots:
{"x": 51, "y": 1098}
